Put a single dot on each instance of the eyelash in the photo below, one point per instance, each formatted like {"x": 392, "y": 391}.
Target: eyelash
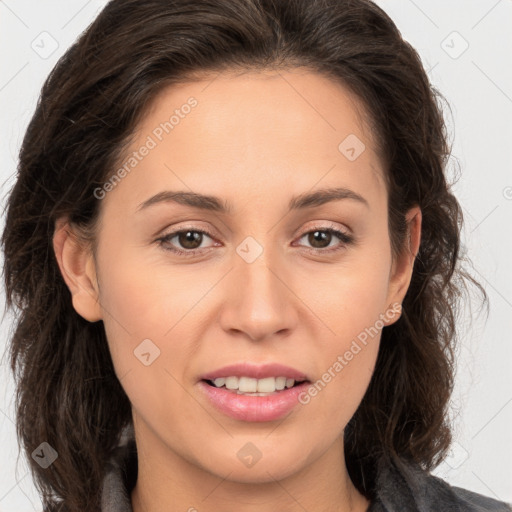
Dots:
{"x": 345, "y": 239}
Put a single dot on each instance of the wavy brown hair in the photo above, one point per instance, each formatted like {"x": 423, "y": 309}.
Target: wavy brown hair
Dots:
{"x": 67, "y": 392}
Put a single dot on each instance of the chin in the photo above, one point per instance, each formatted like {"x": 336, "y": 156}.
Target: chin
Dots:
{"x": 258, "y": 462}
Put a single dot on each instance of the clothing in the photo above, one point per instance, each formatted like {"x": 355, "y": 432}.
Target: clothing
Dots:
{"x": 400, "y": 488}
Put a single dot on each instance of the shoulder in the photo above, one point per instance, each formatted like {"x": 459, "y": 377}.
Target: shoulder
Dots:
{"x": 473, "y": 501}
{"x": 405, "y": 486}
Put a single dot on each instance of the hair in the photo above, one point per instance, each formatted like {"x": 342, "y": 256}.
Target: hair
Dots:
{"x": 67, "y": 392}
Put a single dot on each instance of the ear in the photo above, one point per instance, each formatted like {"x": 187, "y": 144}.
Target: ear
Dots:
{"x": 401, "y": 271}
{"x": 76, "y": 263}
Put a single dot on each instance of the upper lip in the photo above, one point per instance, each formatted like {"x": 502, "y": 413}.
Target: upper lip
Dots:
{"x": 256, "y": 371}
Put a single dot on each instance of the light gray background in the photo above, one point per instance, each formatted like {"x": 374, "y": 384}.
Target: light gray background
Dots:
{"x": 477, "y": 83}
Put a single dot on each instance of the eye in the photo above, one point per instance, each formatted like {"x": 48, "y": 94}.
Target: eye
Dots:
{"x": 189, "y": 239}
{"x": 321, "y": 237}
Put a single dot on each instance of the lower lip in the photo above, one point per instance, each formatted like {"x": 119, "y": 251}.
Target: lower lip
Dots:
{"x": 254, "y": 408}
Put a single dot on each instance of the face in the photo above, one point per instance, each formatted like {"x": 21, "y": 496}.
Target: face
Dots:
{"x": 260, "y": 275}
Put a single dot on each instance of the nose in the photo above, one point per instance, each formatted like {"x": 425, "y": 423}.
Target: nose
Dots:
{"x": 259, "y": 300}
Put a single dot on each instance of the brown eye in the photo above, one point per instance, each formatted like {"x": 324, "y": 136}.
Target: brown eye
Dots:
{"x": 320, "y": 240}
{"x": 185, "y": 241}
{"x": 190, "y": 239}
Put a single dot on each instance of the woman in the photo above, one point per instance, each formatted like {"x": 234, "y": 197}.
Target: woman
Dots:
{"x": 236, "y": 260}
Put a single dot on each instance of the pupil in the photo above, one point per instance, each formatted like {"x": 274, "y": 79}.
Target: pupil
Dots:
{"x": 188, "y": 239}
{"x": 322, "y": 236}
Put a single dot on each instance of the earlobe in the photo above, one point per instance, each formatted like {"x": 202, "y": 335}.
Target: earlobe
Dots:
{"x": 402, "y": 268}
{"x": 77, "y": 267}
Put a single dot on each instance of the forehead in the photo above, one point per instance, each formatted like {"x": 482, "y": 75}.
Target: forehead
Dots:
{"x": 254, "y": 131}
{"x": 272, "y": 101}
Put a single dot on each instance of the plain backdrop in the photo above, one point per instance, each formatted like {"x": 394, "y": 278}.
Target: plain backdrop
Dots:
{"x": 466, "y": 48}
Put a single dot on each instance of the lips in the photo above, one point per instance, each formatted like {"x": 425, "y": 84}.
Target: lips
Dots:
{"x": 249, "y": 392}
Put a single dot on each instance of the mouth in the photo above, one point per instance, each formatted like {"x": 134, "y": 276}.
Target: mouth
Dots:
{"x": 254, "y": 392}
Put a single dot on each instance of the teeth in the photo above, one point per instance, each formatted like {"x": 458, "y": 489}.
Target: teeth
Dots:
{"x": 247, "y": 385}
{"x": 280, "y": 383}
{"x": 250, "y": 385}
{"x": 232, "y": 382}
{"x": 266, "y": 385}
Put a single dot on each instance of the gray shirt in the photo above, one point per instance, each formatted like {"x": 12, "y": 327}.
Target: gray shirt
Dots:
{"x": 400, "y": 486}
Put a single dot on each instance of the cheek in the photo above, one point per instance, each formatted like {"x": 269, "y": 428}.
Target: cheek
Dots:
{"x": 350, "y": 296}
{"x": 345, "y": 364}
{"x": 346, "y": 360}
{"x": 145, "y": 313}
{"x": 351, "y": 302}
{"x": 143, "y": 306}
{"x": 147, "y": 298}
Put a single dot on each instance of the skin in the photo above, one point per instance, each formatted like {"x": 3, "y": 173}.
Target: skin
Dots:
{"x": 254, "y": 140}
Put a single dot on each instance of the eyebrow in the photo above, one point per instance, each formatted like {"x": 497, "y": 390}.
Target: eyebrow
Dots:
{"x": 215, "y": 204}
